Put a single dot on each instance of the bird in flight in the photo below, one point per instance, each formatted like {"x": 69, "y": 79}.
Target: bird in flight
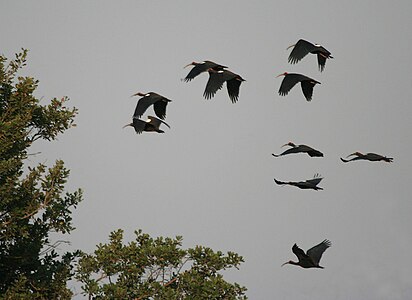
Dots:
{"x": 200, "y": 67}
{"x": 291, "y": 79}
{"x": 152, "y": 124}
{"x": 216, "y": 80}
{"x": 159, "y": 103}
{"x": 311, "y": 258}
{"x": 302, "y": 48}
{"x": 299, "y": 149}
{"x": 367, "y": 156}
{"x": 305, "y": 185}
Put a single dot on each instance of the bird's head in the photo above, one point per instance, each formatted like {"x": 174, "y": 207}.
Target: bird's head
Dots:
{"x": 355, "y": 154}
{"x": 283, "y": 74}
{"x": 290, "y": 262}
{"x": 139, "y": 94}
{"x": 289, "y": 144}
{"x": 193, "y": 63}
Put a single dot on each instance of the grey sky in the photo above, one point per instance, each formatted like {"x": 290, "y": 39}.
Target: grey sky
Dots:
{"x": 210, "y": 177}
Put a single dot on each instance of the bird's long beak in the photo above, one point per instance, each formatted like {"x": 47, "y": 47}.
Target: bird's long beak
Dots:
{"x": 165, "y": 123}
{"x": 283, "y": 74}
{"x": 130, "y": 124}
{"x": 351, "y": 154}
{"x": 191, "y": 64}
{"x": 284, "y": 145}
{"x": 284, "y": 264}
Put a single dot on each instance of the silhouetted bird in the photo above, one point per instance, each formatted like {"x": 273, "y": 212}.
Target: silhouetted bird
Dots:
{"x": 152, "y": 124}
{"x": 158, "y": 101}
{"x": 311, "y": 258}
{"x": 216, "y": 80}
{"x": 308, "y": 184}
{"x": 291, "y": 79}
{"x": 300, "y": 149}
{"x": 200, "y": 67}
{"x": 302, "y": 48}
{"x": 367, "y": 156}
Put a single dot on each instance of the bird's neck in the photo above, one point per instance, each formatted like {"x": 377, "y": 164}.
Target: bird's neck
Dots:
{"x": 293, "y": 263}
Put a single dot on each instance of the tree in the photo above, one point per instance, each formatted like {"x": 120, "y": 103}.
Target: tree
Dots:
{"x": 32, "y": 199}
{"x": 148, "y": 268}
{"x": 34, "y": 204}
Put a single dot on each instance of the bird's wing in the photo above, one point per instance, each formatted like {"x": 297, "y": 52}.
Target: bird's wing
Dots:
{"x": 288, "y": 83}
{"x": 301, "y": 49}
{"x": 233, "y": 86}
{"x": 290, "y": 151}
{"x": 314, "y": 181}
{"x": 316, "y": 252}
{"x": 214, "y": 84}
{"x": 314, "y": 152}
{"x": 143, "y": 104}
{"x": 321, "y": 61}
{"x": 138, "y": 125}
{"x": 160, "y": 109}
{"x": 299, "y": 252}
{"x": 307, "y": 89}
{"x": 156, "y": 122}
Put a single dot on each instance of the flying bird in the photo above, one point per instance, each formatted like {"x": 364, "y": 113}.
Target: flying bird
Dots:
{"x": 311, "y": 258}
{"x": 291, "y": 79}
{"x": 158, "y": 101}
{"x": 152, "y": 124}
{"x": 299, "y": 149}
{"x": 302, "y": 48}
{"x": 216, "y": 80}
{"x": 200, "y": 67}
{"x": 305, "y": 185}
{"x": 367, "y": 156}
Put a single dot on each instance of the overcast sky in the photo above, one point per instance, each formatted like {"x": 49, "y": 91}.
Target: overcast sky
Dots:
{"x": 210, "y": 177}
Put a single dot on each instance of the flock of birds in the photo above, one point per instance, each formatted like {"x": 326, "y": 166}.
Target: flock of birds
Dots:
{"x": 218, "y": 75}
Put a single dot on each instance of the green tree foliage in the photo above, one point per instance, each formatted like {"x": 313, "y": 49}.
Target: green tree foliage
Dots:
{"x": 32, "y": 199}
{"x": 148, "y": 268}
